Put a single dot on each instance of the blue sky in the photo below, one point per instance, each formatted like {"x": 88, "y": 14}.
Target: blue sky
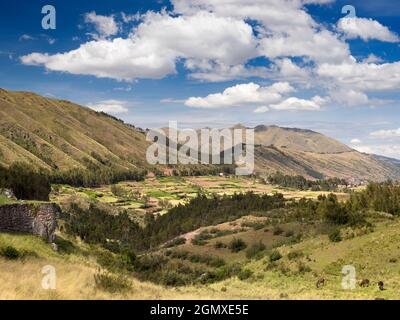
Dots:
{"x": 298, "y": 63}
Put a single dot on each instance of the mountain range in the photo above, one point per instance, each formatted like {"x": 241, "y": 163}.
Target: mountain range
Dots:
{"x": 60, "y": 135}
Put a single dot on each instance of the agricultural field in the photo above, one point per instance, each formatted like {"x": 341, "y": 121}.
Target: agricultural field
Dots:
{"x": 157, "y": 195}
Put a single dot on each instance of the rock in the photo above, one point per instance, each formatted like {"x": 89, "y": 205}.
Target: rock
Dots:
{"x": 54, "y": 246}
{"x": 8, "y": 193}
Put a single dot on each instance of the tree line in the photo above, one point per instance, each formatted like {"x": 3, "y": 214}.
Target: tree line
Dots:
{"x": 30, "y": 183}
{"x": 301, "y": 183}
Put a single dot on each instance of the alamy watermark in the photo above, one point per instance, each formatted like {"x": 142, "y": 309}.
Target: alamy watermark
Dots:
{"x": 49, "y": 280}
{"x": 205, "y": 146}
{"x": 49, "y": 20}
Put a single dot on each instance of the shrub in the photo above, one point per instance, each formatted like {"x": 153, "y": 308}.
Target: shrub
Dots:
{"x": 173, "y": 279}
{"x": 237, "y": 245}
{"x": 293, "y": 255}
{"x": 255, "y": 250}
{"x": 176, "y": 242}
{"x": 289, "y": 233}
{"x": 277, "y": 231}
{"x": 110, "y": 282}
{"x": 303, "y": 268}
{"x": 253, "y": 224}
{"x": 275, "y": 256}
{"x": 245, "y": 274}
{"x": 117, "y": 190}
{"x": 335, "y": 236}
{"x": 219, "y": 245}
{"x": 10, "y": 253}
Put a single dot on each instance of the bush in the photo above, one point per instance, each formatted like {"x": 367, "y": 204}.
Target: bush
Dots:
{"x": 219, "y": 245}
{"x": 277, "y": 231}
{"x": 275, "y": 256}
{"x": 173, "y": 279}
{"x": 255, "y": 250}
{"x": 293, "y": 255}
{"x": 176, "y": 242}
{"x": 253, "y": 224}
{"x": 237, "y": 245}
{"x": 110, "y": 282}
{"x": 245, "y": 274}
{"x": 289, "y": 233}
{"x": 10, "y": 253}
{"x": 303, "y": 268}
{"x": 335, "y": 236}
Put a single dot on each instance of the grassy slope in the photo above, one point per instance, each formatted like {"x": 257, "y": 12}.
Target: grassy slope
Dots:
{"x": 370, "y": 254}
{"x": 347, "y": 165}
{"x": 60, "y": 133}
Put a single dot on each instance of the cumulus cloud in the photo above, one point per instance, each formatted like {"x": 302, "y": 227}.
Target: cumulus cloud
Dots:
{"x": 366, "y": 29}
{"x": 296, "y": 104}
{"x": 206, "y": 33}
{"x": 372, "y": 59}
{"x": 355, "y": 141}
{"x": 386, "y": 133}
{"x": 109, "y": 106}
{"x": 349, "y": 97}
{"x": 285, "y": 69}
{"x": 363, "y": 76}
{"x": 153, "y": 49}
{"x": 388, "y": 150}
{"x": 262, "y": 109}
{"x": 105, "y": 25}
{"x": 242, "y": 95}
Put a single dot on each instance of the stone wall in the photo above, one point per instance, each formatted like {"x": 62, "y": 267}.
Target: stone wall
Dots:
{"x": 33, "y": 218}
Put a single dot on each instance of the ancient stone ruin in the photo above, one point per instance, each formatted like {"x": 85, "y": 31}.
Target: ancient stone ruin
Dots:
{"x": 33, "y": 218}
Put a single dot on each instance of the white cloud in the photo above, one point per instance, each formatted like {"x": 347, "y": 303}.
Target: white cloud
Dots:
{"x": 221, "y": 38}
{"x": 388, "y": 150}
{"x": 372, "y": 59}
{"x": 155, "y": 46}
{"x": 355, "y": 141}
{"x": 262, "y": 109}
{"x": 130, "y": 17}
{"x": 26, "y": 37}
{"x": 362, "y": 76}
{"x": 242, "y": 95}
{"x": 386, "y": 133}
{"x": 110, "y": 106}
{"x": 296, "y": 104}
{"x": 286, "y": 70}
{"x": 171, "y": 100}
{"x": 105, "y": 25}
{"x": 349, "y": 97}
{"x": 366, "y": 29}
{"x": 306, "y": 43}
{"x": 211, "y": 71}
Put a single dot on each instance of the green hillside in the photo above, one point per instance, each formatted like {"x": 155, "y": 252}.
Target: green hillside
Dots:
{"x": 58, "y": 134}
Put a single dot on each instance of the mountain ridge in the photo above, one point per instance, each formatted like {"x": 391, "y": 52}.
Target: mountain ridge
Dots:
{"x": 61, "y": 135}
